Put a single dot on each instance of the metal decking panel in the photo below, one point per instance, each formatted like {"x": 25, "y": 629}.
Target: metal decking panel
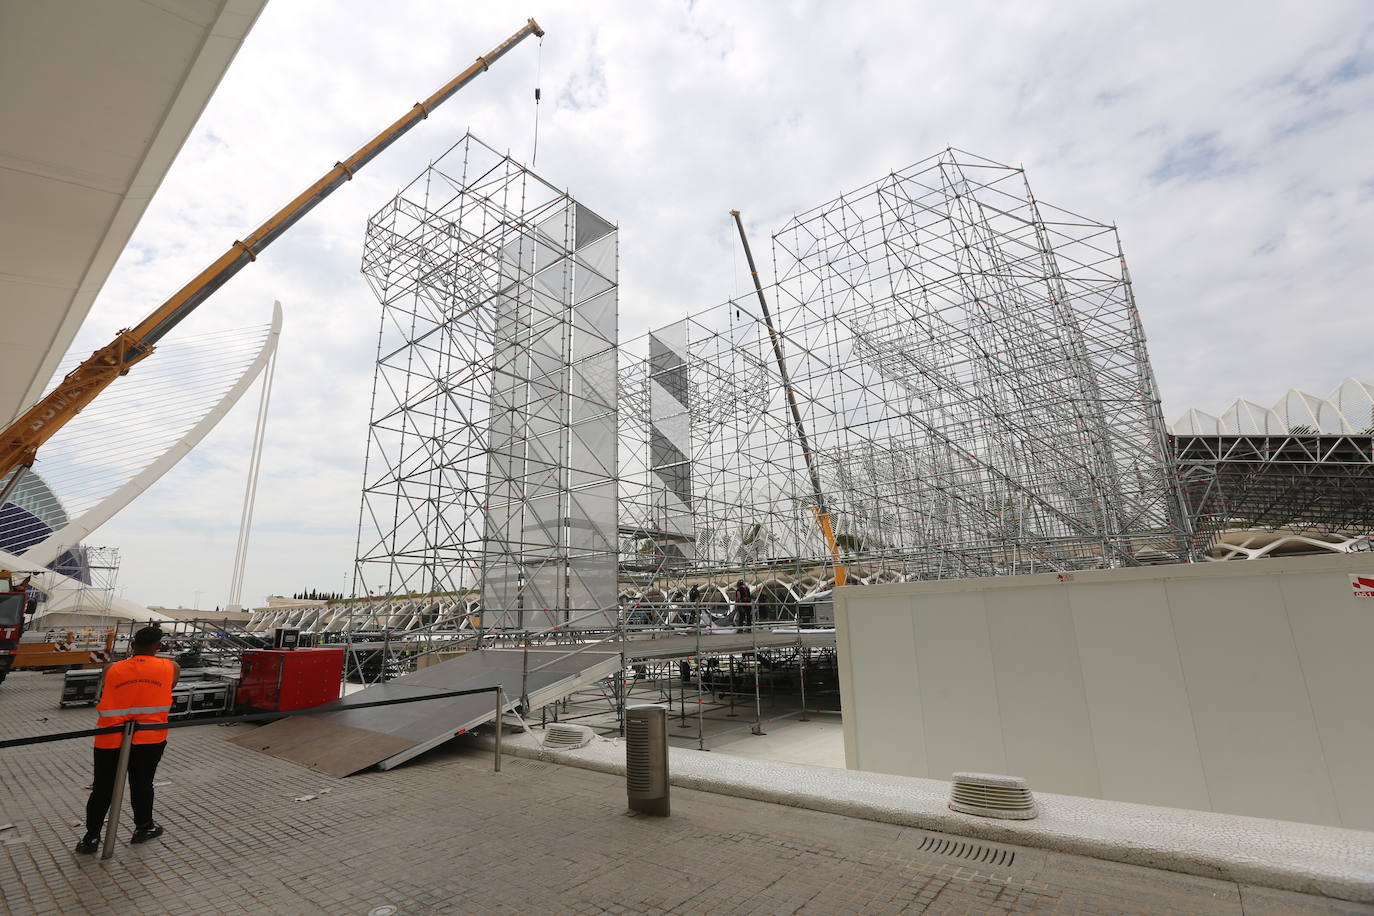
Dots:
{"x": 341, "y": 741}
{"x": 502, "y": 666}
{"x": 324, "y": 747}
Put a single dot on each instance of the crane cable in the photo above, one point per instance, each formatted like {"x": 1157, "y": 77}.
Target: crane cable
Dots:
{"x": 538, "y": 74}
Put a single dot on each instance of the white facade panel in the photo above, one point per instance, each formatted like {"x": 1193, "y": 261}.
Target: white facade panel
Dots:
{"x": 1040, "y": 691}
{"x": 1241, "y": 688}
{"x": 1334, "y": 635}
{"x": 958, "y": 696}
{"x": 1137, "y": 701}
{"x": 1255, "y": 725}
{"x": 885, "y": 671}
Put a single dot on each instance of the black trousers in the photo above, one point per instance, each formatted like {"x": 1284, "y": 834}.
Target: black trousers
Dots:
{"x": 143, "y": 761}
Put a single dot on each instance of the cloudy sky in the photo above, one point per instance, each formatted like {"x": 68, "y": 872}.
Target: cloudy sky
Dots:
{"x": 1229, "y": 141}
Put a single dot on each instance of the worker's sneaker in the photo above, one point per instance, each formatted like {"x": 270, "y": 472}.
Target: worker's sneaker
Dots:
{"x": 149, "y": 832}
{"x": 88, "y": 844}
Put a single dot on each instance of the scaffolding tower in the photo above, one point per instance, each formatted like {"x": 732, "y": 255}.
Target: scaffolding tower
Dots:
{"x": 973, "y": 376}
{"x": 491, "y": 458}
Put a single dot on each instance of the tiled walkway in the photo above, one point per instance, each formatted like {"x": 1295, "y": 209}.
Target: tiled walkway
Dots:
{"x": 447, "y": 835}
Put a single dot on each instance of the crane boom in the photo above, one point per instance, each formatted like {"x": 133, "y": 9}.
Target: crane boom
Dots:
{"x": 19, "y": 443}
{"x": 822, "y": 513}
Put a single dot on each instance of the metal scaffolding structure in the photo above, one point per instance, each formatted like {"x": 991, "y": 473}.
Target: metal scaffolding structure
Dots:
{"x": 973, "y": 376}
{"x": 491, "y": 457}
{"x": 1299, "y": 482}
{"x": 968, "y": 362}
{"x": 1303, "y": 467}
{"x": 96, "y": 570}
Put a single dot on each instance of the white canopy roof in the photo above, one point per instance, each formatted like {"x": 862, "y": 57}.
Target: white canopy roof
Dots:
{"x": 99, "y": 98}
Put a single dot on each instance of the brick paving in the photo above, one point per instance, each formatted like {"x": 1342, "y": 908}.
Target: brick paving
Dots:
{"x": 445, "y": 834}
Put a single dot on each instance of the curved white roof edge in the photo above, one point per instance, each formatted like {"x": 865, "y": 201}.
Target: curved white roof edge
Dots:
{"x": 64, "y": 591}
{"x": 76, "y": 530}
{"x": 111, "y": 91}
{"x": 1347, "y": 410}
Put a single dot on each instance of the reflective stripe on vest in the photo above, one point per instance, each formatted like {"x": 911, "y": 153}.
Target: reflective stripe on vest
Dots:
{"x": 133, "y": 711}
{"x": 137, "y": 689}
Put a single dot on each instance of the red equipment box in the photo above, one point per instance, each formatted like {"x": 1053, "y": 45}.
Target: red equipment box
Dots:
{"x": 280, "y": 679}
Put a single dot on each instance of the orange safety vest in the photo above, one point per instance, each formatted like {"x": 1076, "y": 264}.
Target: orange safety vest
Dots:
{"x": 138, "y": 688}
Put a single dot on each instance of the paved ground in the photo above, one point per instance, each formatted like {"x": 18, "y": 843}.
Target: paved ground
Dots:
{"x": 726, "y": 727}
{"x": 819, "y": 741}
{"x": 447, "y": 835}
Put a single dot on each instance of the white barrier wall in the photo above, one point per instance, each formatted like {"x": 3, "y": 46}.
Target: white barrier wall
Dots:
{"x": 1243, "y": 687}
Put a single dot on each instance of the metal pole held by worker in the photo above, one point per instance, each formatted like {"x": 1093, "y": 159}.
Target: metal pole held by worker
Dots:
{"x": 117, "y": 798}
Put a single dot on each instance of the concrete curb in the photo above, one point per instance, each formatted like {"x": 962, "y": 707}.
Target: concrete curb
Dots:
{"x": 1325, "y": 861}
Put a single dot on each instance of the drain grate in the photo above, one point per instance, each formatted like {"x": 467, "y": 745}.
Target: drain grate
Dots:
{"x": 963, "y": 849}
{"x": 520, "y": 765}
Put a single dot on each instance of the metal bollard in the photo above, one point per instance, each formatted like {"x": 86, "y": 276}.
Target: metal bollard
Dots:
{"x": 500, "y": 695}
{"x": 117, "y": 799}
{"x": 646, "y": 759}
{"x": 525, "y": 675}
{"x": 758, "y": 701}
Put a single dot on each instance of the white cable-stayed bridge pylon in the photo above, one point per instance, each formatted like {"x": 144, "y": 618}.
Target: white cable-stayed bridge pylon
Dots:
{"x": 251, "y": 490}
{"x": 124, "y": 442}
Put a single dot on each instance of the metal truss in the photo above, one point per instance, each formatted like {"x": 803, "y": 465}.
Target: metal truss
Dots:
{"x": 972, "y": 373}
{"x": 1297, "y": 475}
{"x": 491, "y": 450}
{"x": 399, "y": 613}
{"x": 1298, "y": 482}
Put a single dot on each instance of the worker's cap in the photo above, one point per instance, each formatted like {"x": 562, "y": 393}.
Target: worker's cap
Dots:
{"x": 148, "y": 636}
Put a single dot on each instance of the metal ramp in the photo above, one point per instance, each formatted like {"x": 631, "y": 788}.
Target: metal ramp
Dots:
{"x": 340, "y": 741}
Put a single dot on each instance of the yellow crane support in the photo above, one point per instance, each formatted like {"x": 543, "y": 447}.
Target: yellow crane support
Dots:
{"x": 821, "y": 512}
{"x": 19, "y": 443}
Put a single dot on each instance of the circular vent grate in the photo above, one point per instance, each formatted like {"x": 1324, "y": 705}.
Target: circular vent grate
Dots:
{"x": 989, "y": 795}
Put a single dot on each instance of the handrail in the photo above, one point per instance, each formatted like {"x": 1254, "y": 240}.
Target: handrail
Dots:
{"x": 331, "y": 706}
{"x": 578, "y": 651}
{"x": 567, "y": 623}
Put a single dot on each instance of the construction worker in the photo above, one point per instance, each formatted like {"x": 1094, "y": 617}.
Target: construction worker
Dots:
{"x": 689, "y": 614}
{"x": 744, "y": 610}
{"x": 139, "y": 688}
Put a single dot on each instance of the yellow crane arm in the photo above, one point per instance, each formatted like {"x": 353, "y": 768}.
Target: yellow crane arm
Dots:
{"x": 20, "y": 442}
{"x": 822, "y": 513}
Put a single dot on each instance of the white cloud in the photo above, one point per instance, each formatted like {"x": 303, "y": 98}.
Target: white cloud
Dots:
{"x": 1228, "y": 141}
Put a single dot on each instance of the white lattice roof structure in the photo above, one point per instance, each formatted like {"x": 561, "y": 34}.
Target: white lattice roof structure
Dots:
{"x": 1295, "y": 476}
{"x": 1349, "y": 410}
